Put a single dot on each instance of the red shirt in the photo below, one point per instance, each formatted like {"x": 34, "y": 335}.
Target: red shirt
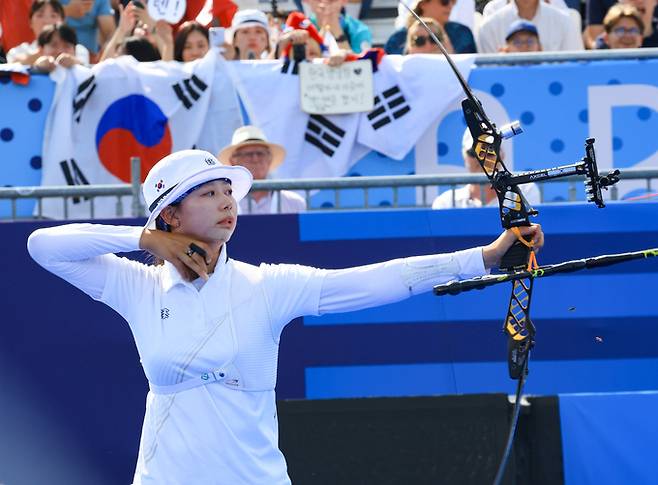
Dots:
{"x": 15, "y": 21}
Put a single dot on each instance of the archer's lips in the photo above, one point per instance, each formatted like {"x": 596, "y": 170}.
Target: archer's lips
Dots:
{"x": 227, "y": 221}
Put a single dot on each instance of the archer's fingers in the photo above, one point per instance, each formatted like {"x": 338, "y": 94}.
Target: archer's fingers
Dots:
{"x": 197, "y": 264}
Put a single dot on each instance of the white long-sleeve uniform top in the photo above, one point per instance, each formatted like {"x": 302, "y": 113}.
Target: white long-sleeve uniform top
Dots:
{"x": 223, "y": 432}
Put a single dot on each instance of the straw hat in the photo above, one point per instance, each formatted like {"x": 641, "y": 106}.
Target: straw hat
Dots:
{"x": 252, "y": 135}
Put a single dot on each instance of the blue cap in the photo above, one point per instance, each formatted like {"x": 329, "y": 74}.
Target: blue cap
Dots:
{"x": 521, "y": 26}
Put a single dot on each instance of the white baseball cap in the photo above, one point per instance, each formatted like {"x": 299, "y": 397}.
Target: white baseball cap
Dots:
{"x": 181, "y": 171}
{"x": 249, "y": 17}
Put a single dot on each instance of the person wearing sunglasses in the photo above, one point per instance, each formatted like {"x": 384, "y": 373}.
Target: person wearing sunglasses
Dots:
{"x": 522, "y": 36}
{"x": 623, "y": 28}
{"x": 420, "y": 42}
{"x": 460, "y": 36}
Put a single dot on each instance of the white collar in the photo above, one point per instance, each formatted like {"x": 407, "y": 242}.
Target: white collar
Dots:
{"x": 171, "y": 277}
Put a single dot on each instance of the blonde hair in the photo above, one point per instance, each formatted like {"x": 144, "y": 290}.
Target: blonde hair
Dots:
{"x": 434, "y": 26}
{"x": 620, "y": 11}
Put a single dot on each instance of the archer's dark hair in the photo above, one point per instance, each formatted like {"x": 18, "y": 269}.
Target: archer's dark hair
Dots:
{"x": 66, "y": 33}
{"x": 39, "y": 4}
{"x": 183, "y": 33}
{"x": 141, "y": 49}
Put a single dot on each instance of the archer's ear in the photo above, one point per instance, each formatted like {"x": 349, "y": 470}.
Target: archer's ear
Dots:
{"x": 168, "y": 215}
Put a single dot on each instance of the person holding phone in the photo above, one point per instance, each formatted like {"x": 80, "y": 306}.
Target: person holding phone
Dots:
{"x": 460, "y": 35}
{"x": 137, "y": 34}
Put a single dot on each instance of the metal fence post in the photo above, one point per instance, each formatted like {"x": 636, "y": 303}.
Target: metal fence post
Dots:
{"x": 136, "y": 186}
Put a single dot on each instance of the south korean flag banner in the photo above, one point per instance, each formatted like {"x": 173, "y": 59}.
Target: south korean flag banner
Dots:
{"x": 411, "y": 92}
{"x": 123, "y": 109}
{"x": 316, "y": 145}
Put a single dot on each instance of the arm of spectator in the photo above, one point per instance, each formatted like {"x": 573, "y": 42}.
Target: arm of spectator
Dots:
{"x": 28, "y": 59}
{"x": 78, "y": 8}
{"x": 164, "y": 38}
{"x": 228, "y": 52}
{"x": 590, "y": 34}
{"x": 647, "y": 16}
{"x": 595, "y": 11}
{"x": 106, "y": 28}
{"x": 127, "y": 19}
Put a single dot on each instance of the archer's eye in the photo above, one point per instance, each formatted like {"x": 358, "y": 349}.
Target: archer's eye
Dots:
{"x": 210, "y": 193}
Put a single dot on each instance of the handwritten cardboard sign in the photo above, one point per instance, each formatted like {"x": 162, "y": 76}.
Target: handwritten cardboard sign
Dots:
{"x": 328, "y": 90}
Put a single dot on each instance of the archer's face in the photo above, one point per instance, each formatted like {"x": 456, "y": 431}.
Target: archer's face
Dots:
{"x": 209, "y": 213}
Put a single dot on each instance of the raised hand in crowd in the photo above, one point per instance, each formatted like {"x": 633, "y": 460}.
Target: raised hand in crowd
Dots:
{"x": 128, "y": 18}
{"x": 163, "y": 35}
{"x": 78, "y": 8}
{"x": 328, "y": 17}
{"x": 135, "y": 31}
{"x": 288, "y": 40}
{"x": 56, "y": 47}
{"x": 42, "y": 13}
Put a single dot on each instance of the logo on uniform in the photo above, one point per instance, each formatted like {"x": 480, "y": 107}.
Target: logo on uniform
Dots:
{"x": 210, "y": 161}
{"x": 160, "y": 185}
{"x": 164, "y": 313}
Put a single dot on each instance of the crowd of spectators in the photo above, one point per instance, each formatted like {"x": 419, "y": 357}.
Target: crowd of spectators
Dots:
{"x": 105, "y": 29}
{"x": 45, "y": 34}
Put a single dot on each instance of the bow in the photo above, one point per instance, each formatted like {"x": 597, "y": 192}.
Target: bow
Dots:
{"x": 519, "y": 263}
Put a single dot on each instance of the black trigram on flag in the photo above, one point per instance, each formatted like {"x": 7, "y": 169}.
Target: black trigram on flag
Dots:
{"x": 189, "y": 90}
{"x": 389, "y": 106}
{"x": 82, "y": 95}
{"x": 323, "y": 134}
{"x": 290, "y": 67}
{"x": 73, "y": 176}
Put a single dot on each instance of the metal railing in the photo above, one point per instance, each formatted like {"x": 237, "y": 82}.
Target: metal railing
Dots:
{"x": 308, "y": 186}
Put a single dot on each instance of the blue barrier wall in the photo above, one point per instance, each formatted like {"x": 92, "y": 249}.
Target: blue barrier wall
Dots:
{"x": 72, "y": 382}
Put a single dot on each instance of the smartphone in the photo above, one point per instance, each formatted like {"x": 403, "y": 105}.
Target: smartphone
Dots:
{"x": 217, "y": 36}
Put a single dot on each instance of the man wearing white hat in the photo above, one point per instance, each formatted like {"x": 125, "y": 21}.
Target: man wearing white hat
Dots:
{"x": 249, "y": 148}
{"x": 207, "y": 327}
{"x": 472, "y": 195}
